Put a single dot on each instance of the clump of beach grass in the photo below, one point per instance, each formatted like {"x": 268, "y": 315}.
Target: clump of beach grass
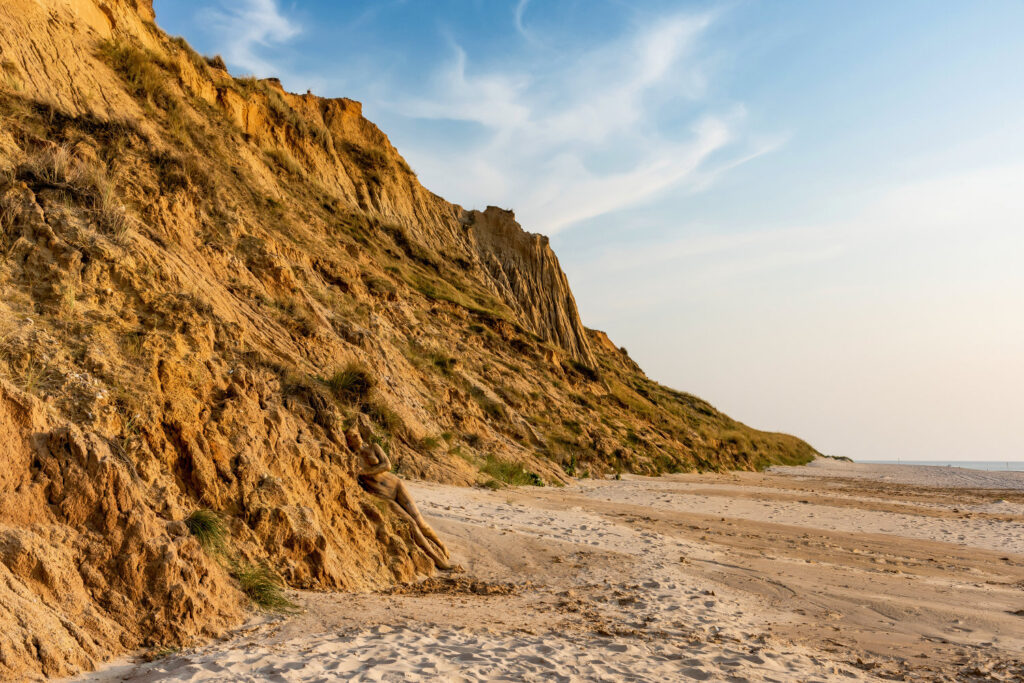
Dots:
{"x": 351, "y": 384}
{"x": 263, "y": 587}
{"x": 511, "y": 473}
{"x": 209, "y": 529}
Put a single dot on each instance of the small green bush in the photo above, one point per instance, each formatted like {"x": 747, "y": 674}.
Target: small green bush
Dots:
{"x": 208, "y": 528}
{"x": 511, "y": 473}
{"x": 444, "y": 364}
{"x": 382, "y": 414}
{"x": 263, "y": 587}
{"x": 351, "y": 384}
{"x": 457, "y": 451}
{"x": 569, "y": 466}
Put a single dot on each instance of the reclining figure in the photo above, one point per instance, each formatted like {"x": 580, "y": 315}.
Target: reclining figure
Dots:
{"x": 375, "y": 476}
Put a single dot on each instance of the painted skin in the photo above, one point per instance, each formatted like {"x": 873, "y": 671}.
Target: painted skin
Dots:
{"x": 375, "y": 476}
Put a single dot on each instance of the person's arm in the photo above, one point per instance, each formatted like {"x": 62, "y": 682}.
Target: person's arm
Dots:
{"x": 376, "y": 460}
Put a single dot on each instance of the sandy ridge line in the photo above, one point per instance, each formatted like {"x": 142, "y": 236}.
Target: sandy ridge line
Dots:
{"x": 837, "y": 499}
{"x": 642, "y": 513}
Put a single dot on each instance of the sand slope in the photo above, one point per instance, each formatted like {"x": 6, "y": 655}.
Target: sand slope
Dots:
{"x": 746, "y": 577}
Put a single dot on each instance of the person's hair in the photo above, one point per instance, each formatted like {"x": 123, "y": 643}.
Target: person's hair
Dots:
{"x": 352, "y": 438}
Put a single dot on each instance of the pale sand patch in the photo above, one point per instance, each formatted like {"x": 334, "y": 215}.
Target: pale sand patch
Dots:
{"x": 994, "y": 533}
{"x": 913, "y": 475}
{"x": 749, "y": 577}
{"x": 402, "y": 654}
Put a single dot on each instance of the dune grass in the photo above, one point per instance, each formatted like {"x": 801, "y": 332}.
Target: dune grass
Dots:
{"x": 385, "y": 416}
{"x": 351, "y": 384}
{"x": 263, "y": 587}
{"x": 259, "y": 583}
{"x": 209, "y": 529}
{"x": 511, "y": 473}
{"x": 141, "y": 71}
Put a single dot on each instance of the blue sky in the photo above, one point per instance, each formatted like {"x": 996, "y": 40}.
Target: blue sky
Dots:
{"x": 809, "y": 213}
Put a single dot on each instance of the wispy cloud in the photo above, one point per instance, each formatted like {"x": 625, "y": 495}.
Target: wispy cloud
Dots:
{"x": 920, "y": 241}
{"x": 587, "y": 132}
{"x": 517, "y": 17}
{"x": 495, "y": 100}
{"x": 250, "y": 27}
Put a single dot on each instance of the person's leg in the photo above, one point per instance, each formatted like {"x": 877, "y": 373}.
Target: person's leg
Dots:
{"x": 392, "y": 491}
{"x": 405, "y": 500}
{"x": 421, "y": 541}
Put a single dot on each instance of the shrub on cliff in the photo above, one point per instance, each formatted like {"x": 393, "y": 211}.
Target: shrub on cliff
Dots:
{"x": 208, "y": 528}
{"x": 351, "y": 384}
{"x": 141, "y": 72}
{"x": 263, "y": 587}
{"x": 511, "y": 473}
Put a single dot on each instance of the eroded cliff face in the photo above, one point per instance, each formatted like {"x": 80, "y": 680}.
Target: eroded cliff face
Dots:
{"x": 47, "y": 50}
{"x": 203, "y": 280}
{"x": 87, "y": 566}
{"x": 526, "y": 274}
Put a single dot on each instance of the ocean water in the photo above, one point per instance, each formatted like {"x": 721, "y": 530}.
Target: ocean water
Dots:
{"x": 987, "y": 465}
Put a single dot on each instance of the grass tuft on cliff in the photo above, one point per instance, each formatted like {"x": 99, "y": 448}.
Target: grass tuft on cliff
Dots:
{"x": 383, "y": 415}
{"x": 209, "y": 529}
{"x": 511, "y": 473}
{"x": 263, "y": 587}
{"x": 140, "y": 71}
{"x": 351, "y": 384}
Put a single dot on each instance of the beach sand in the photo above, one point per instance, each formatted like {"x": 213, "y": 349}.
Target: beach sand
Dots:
{"x": 831, "y": 572}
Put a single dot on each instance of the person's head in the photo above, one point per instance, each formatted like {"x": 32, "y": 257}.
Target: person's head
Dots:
{"x": 365, "y": 429}
{"x": 352, "y": 438}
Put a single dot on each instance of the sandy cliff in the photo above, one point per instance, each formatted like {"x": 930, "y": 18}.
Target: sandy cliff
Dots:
{"x": 526, "y": 274}
{"x": 203, "y": 279}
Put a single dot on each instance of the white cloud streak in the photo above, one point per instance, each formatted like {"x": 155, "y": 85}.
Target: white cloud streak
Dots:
{"x": 517, "y": 17}
{"x": 581, "y": 135}
{"x": 250, "y": 26}
{"x": 926, "y": 239}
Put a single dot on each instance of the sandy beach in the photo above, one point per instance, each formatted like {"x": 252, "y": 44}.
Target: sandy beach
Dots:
{"x": 835, "y": 571}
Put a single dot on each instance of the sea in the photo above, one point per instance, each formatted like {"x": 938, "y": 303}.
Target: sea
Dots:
{"x": 987, "y": 465}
